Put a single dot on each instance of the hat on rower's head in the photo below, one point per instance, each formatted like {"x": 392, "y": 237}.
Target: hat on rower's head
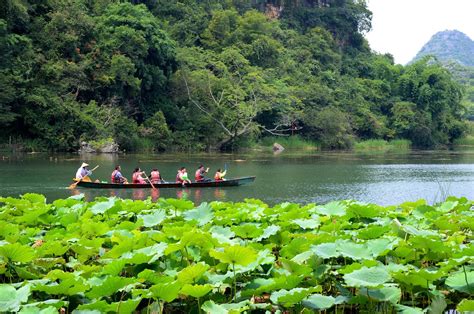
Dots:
{"x": 84, "y": 165}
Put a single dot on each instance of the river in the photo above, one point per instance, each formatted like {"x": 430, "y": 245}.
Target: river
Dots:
{"x": 303, "y": 177}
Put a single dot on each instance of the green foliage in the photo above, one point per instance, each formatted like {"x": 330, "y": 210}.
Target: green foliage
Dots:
{"x": 157, "y": 75}
{"x": 123, "y": 255}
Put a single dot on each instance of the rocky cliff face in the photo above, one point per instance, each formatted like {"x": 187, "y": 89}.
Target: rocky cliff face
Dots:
{"x": 449, "y": 45}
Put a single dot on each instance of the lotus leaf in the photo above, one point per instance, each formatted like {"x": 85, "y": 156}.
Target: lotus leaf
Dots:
{"x": 166, "y": 291}
{"x": 192, "y": 273}
{"x": 202, "y": 214}
{"x": 17, "y": 253}
{"x": 462, "y": 281}
{"x": 11, "y": 298}
{"x": 367, "y": 277}
{"x": 465, "y": 306}
{"x": 235, "y": 255}
{"x": 319, "y": 302}
{"x": 196, "y": 291}
{"x": 153, "y": 219}
{"x": 288, "y": 298}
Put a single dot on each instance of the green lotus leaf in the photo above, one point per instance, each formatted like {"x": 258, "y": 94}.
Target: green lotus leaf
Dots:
{"x": 198, "y": 238}
{"x": 203, "y": 214}
{"x": 380, "y": 247}
{"x": 367, "y": 277}
{"x": 101, "y": 306}
{"x": 68, "y": 285}
{"x": 102, "y": 207}
{"x": 247, "y": 231}
{"x": 76, "y": 311}
{"x": 353, "y": 250}
{"x": 461, "y": 281}
{"x": 319, "y": 302}
{"x": 295, "y": 268}
{"x": 447, "y": 206}
{"x": 402, "y": 309}
{"x": 109, "y": 286}
{"x": 360, "y": 210}
{"x": 153, "y": 219}
{"x": 180, "y": 204}
{"x": 264, "y": 257}
{"x": 223, "y": 234}
{"x": 295, "y": 247}
{"x": 384, "y": 294}
{"x": 37, "y": 310}
{"x": 268, "y": 232}
{"x": 11, "y": 298}
{"x": 192, "y": 273}
{"x": 52, "y": 248}
{"x": 124, "y": 307}
{"x": 438, "y": 302}
{"x": 372, "y": 232}
{"x": 325, "y": 250}
{"x": 308, "y": 223}
{"x": 154, "y": 277}
{"x": 34, "y": 198}
{"x": 465, "y": 306}
{"x": 166, "y": 291}
{"x": 235, "y": 255}
{"x": 155, "y": 252}
{"x": 114, "y": 267}
{"x": 332, "y": 209}
{"x": 213, "y": 308}
{"x": 196, "y": 291}
{"x": 288, "y": 298}
{"x": 303, "y": 257}
{"x": 17, "y": 253}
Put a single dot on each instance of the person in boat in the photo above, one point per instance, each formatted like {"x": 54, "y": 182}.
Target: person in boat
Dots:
{"x": 83, "y": 173}
{"x": 182, "y": 176}
{"x": 137, "y": 177}
{"x": 117, "y": 177}
{"x": 155, "y": 177}
{"x": 219, "y": 176}
{"x": 199, "y": 176}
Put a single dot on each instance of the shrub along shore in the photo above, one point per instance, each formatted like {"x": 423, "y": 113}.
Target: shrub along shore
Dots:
{"x": 120, "y": 255}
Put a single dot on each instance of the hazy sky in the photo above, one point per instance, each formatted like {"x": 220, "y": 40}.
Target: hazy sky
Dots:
{"x": 402, "y": 27}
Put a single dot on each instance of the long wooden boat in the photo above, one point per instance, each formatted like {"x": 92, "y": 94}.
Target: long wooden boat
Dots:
{"x": 228, "y": 182}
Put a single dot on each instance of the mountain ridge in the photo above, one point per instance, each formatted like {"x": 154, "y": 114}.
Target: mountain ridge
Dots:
{"x": 449, "y": 45}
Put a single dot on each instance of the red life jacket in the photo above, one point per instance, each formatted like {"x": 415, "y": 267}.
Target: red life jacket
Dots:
{"x": 178, "y": 177}
{"x": 136, "y": 178}
{"x": 217, "y": 176}
{"x": 112, "y": 176}
{"x": 155, "y": 176}
{"x": 198, "y": 175}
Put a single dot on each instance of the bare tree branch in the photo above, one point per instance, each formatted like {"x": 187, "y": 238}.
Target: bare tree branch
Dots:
{"x": 204, "y": 110}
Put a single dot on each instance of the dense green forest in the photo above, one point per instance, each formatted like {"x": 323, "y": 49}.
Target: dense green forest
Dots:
{"x": 215, "y": 74}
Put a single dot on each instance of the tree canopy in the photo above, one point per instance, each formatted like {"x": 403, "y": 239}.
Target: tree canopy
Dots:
{"x": 213, "y": 74}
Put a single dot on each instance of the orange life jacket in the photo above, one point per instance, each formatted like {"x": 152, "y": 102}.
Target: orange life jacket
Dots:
{"x": 217, "y": 176}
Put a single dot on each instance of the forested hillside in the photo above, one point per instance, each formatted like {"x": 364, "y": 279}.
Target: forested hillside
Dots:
{"x": 168, "y": 74}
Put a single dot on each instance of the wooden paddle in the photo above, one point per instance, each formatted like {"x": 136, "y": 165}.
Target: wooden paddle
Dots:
{"x": 154, "y": 188}
{"x": 72, "y": 186}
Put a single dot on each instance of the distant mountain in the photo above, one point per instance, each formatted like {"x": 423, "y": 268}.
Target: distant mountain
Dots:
{"x": 449, "y": 45}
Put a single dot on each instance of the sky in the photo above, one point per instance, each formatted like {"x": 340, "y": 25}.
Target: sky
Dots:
{"x": 402, "y": 27}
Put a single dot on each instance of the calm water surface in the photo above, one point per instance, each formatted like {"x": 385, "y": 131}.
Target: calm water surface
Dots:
{"x": 383, "y": 178}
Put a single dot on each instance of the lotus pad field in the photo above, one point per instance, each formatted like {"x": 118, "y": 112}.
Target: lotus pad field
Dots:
{"x": 125, "y": 256}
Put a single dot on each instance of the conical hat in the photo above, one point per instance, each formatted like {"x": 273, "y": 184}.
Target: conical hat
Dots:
{"x": 84, "y": 165}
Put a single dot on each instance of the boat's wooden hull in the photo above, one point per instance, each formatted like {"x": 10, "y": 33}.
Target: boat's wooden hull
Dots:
{"x": 230, "y": 182}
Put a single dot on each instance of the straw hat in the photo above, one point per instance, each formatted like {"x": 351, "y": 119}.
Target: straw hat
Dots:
{"x": 84, "y": 165}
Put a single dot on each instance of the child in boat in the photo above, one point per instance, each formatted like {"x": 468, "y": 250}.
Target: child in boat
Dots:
{"x": 137, "y": 176}
{"x": 182, "y": 176}
{"x": 219, "y": 176}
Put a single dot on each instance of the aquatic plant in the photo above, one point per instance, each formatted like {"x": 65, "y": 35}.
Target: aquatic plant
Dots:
{"x": 118, "y": 255}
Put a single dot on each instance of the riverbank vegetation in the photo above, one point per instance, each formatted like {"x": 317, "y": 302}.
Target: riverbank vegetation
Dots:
{"x": 114, "y": 255}
{"x": 197, "y": 75}
{"x": 382, "y": 145}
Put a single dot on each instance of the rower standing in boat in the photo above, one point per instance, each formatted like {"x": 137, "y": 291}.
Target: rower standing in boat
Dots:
{"x": 117, "y": 177}
{"x": 137, "y": 177}
{"x": 155, "y": 177}
{"x": 83, "y": 173}
{"x": 199, "y": 176}
{"x": 219, "y": 176}
{"x": 182, "y": 176}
